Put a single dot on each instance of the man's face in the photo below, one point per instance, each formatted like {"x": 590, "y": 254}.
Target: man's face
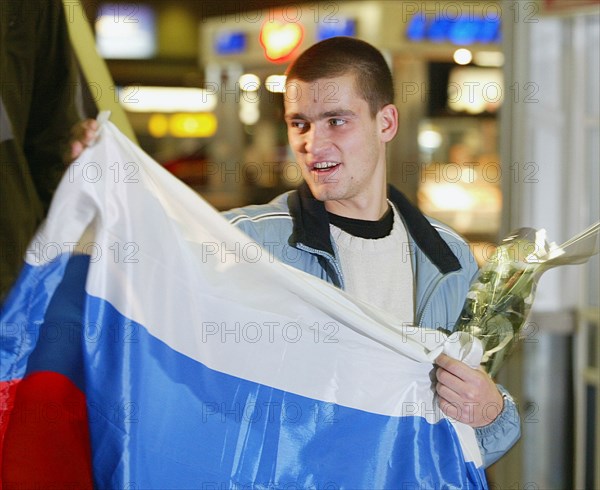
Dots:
{"x": 338, "y": 145}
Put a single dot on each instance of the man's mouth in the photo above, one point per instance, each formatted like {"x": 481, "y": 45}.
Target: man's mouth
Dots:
{"x": 324, "y": 166}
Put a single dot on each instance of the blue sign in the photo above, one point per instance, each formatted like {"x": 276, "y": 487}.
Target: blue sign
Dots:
{"x": 462, "y": 30}
{"x": 341, "y": 27}
{"x": 230, "y": 42}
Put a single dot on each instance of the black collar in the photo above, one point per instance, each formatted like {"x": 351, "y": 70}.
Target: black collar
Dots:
{"x": 311, "y": 223}
{"x": 311, "y": 227}
{"x": 367, "y": 229}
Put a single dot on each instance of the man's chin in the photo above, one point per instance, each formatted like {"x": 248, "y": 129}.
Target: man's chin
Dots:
{"x": 319, "y": 192}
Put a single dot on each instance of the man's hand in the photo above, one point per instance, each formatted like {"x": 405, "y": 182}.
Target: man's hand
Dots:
{"x": 83, "y": 135}
{"x": 466, "y": 394}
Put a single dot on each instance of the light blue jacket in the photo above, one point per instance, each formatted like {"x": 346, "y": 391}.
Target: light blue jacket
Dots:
{"x": 294, "y": 228}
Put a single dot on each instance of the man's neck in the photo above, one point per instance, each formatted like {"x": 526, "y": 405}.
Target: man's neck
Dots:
{"x": 371, "y": 209}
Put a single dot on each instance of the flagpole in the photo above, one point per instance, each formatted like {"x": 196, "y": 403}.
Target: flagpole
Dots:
{"x": 94, "y": 67}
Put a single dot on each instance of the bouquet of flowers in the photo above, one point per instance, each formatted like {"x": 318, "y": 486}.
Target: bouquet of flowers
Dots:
{"x": 500, "y": 300}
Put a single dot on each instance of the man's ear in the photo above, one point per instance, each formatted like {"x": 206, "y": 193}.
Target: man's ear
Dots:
{"x": 387, "y": 121}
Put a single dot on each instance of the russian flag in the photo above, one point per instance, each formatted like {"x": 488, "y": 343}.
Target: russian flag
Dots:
{"x": 150, "y": 344}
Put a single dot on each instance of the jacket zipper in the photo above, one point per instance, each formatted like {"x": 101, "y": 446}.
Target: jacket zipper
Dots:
{"x": 433, "y": 288}
{"x": 329, "y": 257}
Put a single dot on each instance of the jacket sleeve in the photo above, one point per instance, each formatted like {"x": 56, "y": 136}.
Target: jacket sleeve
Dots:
{"x": 53, "y": 108}
{"x": 496, "y": 438}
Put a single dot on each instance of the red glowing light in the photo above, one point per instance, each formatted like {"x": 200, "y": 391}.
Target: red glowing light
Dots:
{"x": 280, "y": 39}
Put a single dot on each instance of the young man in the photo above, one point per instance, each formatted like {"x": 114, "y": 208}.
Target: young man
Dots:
{"x": 346, "y": 226}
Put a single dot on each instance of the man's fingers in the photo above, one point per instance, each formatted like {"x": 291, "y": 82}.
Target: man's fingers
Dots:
{"x": 447, "y": 394}
{"x": 466, "y": 394}
{"x": 83, "y": 135}
{"x": 456, "y": 367}
{"x": 76, "y": 149}
{"x": 452, "y": 410}
{"x": 447, "y": 378}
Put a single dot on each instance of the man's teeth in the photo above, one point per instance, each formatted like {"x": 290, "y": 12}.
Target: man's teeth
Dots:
{"x": 321, "y": 165}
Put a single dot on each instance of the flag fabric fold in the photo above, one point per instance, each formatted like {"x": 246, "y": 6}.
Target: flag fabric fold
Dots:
{"x": 150, "y": 344}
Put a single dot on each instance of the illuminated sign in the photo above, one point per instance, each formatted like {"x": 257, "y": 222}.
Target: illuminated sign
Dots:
{"x": 193, "y": 125}
{"x": 280, "y": 39}
{"x": 475, "y": 90}
{"x": 135, "y": 98}
{"x": 343, "y": 27}
{"x": 461, "y": 30}
{"x": 125, "y": 31}
{"x": 202, "y": 125}
{"x": 563, "y": 6}
{"x": 230, "y": 42}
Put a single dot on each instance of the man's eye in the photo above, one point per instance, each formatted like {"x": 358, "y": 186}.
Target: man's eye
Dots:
{"x": 337, "y": 122}
{"x": 301, "y": 125}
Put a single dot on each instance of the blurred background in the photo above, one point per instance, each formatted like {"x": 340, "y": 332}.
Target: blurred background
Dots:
{"x": 499, "y": 107}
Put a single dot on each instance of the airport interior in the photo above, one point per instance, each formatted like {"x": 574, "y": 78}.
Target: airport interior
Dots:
{"x": 499, "y": 129}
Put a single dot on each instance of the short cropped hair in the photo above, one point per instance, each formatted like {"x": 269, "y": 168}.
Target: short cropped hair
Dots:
{"x": 338, "y": 56}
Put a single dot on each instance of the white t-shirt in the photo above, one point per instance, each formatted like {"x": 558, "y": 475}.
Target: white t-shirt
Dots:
{"x": 379, "y": 271}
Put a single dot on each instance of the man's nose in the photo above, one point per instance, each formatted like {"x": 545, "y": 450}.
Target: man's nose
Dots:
{"x": 316, "y": 141}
